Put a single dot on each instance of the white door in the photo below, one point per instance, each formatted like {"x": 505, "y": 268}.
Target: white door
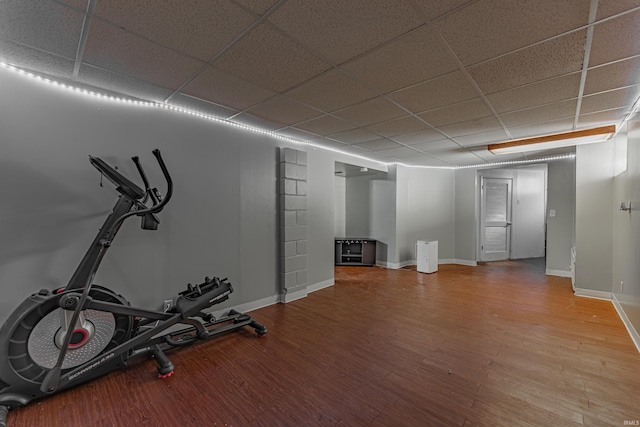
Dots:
{"x": 495, "y": 219}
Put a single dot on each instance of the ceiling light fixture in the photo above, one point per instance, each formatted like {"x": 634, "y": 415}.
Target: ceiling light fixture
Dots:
{"x": 566, "y": 139}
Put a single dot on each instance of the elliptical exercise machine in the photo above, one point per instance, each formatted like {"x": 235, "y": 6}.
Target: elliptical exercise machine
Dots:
{"x": 58, "y": 339}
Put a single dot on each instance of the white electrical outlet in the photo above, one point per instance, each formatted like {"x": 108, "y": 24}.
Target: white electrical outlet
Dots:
{"x": 621, "y": 287}
{"x": 168, "y": 303}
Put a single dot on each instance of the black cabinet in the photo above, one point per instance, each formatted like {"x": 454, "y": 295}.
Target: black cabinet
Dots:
{"x": 352, "y": 251}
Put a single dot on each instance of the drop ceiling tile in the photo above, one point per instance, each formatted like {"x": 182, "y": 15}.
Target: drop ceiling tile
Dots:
{"x": 419, "y": 137}
{"x": 297, "y": 134}
{"x": 615, "y": 39}
{"x": 607, "y": 8}
{"x": 45, "y": 25}
{"x": 401, "y": 152}
{"x": 387, "y": 68}
{"x": 32, "y": 59}
{"x": 487, "y": 155}
{"x": 331, "y": 91}
{"x": 225, "y": 89}
{"x": 399, "y": 126}
{"x": 359, "y": 151}
{"x": 325, "y": 125}
{"x": 443, "y": 144}
{"x": 339, "y": 29}
{"x": 427, "y": 160}
{"x": 540, "y": 114}
{"x": 354, "y": 136}
{"x": 329, "y": 143}
{"x": 79, "y": 5}
{"x": 456, "y": 113}
{"x": 378, "y": 144}
{"x": 448, "y": 89}
{"x": 268, "y": 59}
{"x": 202, "y": 107}
{"x": 609, "y": 100}
{"x": 202, "y": 28}
{"x": 456, "y": 156}
{"x": 490, "y": 28}
{"x": 256, "y": 122}
{"x": 612, "y": 76}
{"x": 548, "y": 127}
{"x": 435, "y": 9}
{"x": 283, "y": 110}
{"x": 602, "y": 118}
{"x": 121, "y": 52}
{"x": 258, "y": 6}
{"x": 121, "y": 83}
{"x": 497, "y": 135}
{"x": 469, "y": 127}
{"x": 553, "y": 58}
{"x": 540, "y": 93}
{"x": 370, "y": 112}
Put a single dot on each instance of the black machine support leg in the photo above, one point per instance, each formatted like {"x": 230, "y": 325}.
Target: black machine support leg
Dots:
{"x": 165, "y": 367}
{"x": 259, "y": 328}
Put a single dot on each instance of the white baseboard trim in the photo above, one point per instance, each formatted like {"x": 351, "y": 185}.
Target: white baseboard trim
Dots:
{"x": 635, "y": 336}
{"x": 292, "y": 296}
{"x": 458, "y": 262}
{"x": 589, "y": 293}
{"x": 304, "y": 291}
{"x": 395, "y": 265}
{"x": 561, "y": 273}
{"x": 320, "y": 285}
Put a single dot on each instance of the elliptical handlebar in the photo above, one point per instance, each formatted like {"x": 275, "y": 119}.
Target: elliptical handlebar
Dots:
{"x": 153, "y": 192}
{"x": 130, "y": 190}
{"x": 134, "y": 193}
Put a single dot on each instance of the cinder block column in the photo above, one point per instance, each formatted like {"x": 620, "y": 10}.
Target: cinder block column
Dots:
{"x": 293, "y": 224}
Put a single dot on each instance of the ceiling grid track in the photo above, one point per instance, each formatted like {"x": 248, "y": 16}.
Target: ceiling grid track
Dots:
{"x": 593, "y": 9}
{"x": 84, "y": 34}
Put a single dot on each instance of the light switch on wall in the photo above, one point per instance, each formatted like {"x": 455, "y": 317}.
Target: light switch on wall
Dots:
{"x": 552, "y": 213}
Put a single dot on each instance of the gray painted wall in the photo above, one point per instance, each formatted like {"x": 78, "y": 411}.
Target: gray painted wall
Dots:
{"x": 594, "y": 216}
{"x": 222, "y": 220}
{"x": 466, "y": 206}
{"x": 340, "y": 207}
{"x": 626, "y": 231}
{"x": 528, "y": 230}
{"x": 561, "y": 228}
{"x": 358, "y": 205}
{"x": 401, "y": 207}
{"x": 320, "y": 214}
{"x": 425, "y": 211}
{"x": 370, "y": 210}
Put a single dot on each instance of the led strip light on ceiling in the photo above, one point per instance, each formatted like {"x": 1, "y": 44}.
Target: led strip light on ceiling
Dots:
{"x": 258, "y": 130}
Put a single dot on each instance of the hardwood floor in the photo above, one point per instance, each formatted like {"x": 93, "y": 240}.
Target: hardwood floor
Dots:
{"x": 500, "y": 344}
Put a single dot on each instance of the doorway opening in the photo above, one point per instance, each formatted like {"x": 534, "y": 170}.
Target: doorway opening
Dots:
{"x": 512, "y": 213}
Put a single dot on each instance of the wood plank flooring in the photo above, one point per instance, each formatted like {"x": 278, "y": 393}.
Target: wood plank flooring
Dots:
{"x": 500, "y": 344}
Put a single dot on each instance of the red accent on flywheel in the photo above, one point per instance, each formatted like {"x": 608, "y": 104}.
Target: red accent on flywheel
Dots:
{"x": 85, "y": 336}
